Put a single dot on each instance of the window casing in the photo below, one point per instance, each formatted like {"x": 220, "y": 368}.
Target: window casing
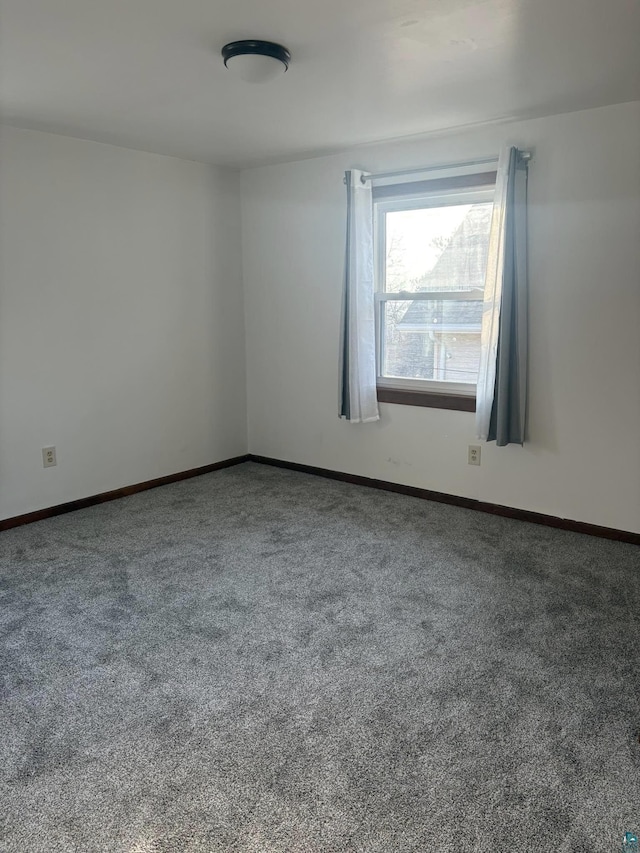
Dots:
{"x": 428, "y": 324}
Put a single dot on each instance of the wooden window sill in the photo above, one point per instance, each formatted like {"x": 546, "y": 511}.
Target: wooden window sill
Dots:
{"x": 429, "y": 399}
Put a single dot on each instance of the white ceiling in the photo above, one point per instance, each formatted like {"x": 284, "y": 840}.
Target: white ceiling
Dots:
{"x": 147, "y": 73}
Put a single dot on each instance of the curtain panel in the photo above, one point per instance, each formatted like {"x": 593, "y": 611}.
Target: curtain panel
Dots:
{"x": 358, "y": 394}
{"x": 502, "y": 382}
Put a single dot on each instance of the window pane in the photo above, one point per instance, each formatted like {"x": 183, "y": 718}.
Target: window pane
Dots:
{"x": 431, "y": 339}
{"x": 437, "y": 248}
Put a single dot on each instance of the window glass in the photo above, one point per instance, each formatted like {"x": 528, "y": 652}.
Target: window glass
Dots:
{"x": 439, "y": 249}
{"x": 434, "y": 339}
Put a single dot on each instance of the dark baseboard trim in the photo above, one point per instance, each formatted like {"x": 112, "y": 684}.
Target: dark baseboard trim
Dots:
{"x": 455, "y": 500}
{"x": 82, "y": 503}
{"x": 355, "y": 479}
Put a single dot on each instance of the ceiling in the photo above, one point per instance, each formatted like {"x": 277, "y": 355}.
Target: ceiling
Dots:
{"x": 147, "y": 73}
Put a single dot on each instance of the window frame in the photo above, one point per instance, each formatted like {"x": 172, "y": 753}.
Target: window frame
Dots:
{"x": 418, "y": 195}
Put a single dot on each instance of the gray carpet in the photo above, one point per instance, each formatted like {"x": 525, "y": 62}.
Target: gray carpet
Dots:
{"x": 259, "y": 660}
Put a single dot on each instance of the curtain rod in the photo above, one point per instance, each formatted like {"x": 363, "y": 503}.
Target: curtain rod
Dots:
{"x": 526, "y": 155}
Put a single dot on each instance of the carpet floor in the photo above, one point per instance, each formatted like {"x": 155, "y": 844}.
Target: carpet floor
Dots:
{"x": 264, "y": 661}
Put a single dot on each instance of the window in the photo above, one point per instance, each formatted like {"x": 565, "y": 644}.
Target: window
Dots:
{"x": 431, "y": 244}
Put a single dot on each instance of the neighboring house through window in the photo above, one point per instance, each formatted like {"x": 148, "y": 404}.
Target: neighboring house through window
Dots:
{"x": 431, "y": 243}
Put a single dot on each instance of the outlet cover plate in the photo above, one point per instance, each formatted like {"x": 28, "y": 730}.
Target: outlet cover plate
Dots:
{"x": 49, "y": 457}
{"x": 474, "y": 454}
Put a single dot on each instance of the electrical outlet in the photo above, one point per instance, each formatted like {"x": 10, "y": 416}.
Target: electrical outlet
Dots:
{"x": 474, "y": 454}
{"x": 48, "y": 457}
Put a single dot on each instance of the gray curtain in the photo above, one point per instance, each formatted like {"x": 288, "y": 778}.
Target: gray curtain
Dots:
{"x": 344, "y": 396}
{"x": 508, "y": 412}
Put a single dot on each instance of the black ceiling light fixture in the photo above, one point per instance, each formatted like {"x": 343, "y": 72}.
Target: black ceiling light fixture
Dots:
{"x": 256, "y": 61}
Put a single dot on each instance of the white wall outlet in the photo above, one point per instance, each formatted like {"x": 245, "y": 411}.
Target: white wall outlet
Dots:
{"x": 474, "y": 454}
{"x": 48, "y": 457}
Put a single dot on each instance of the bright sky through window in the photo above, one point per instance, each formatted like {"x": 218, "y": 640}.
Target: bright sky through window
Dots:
{"x": 418, "y": 237}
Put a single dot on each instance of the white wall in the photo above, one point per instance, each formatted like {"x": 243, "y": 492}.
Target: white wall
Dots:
{"x": 122, "y": 334}
{"x": 121, "y": 319}
{"x": 583, "y": 458}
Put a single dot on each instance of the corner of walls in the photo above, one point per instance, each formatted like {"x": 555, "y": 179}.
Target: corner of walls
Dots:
{"x": 229, "y": 327}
